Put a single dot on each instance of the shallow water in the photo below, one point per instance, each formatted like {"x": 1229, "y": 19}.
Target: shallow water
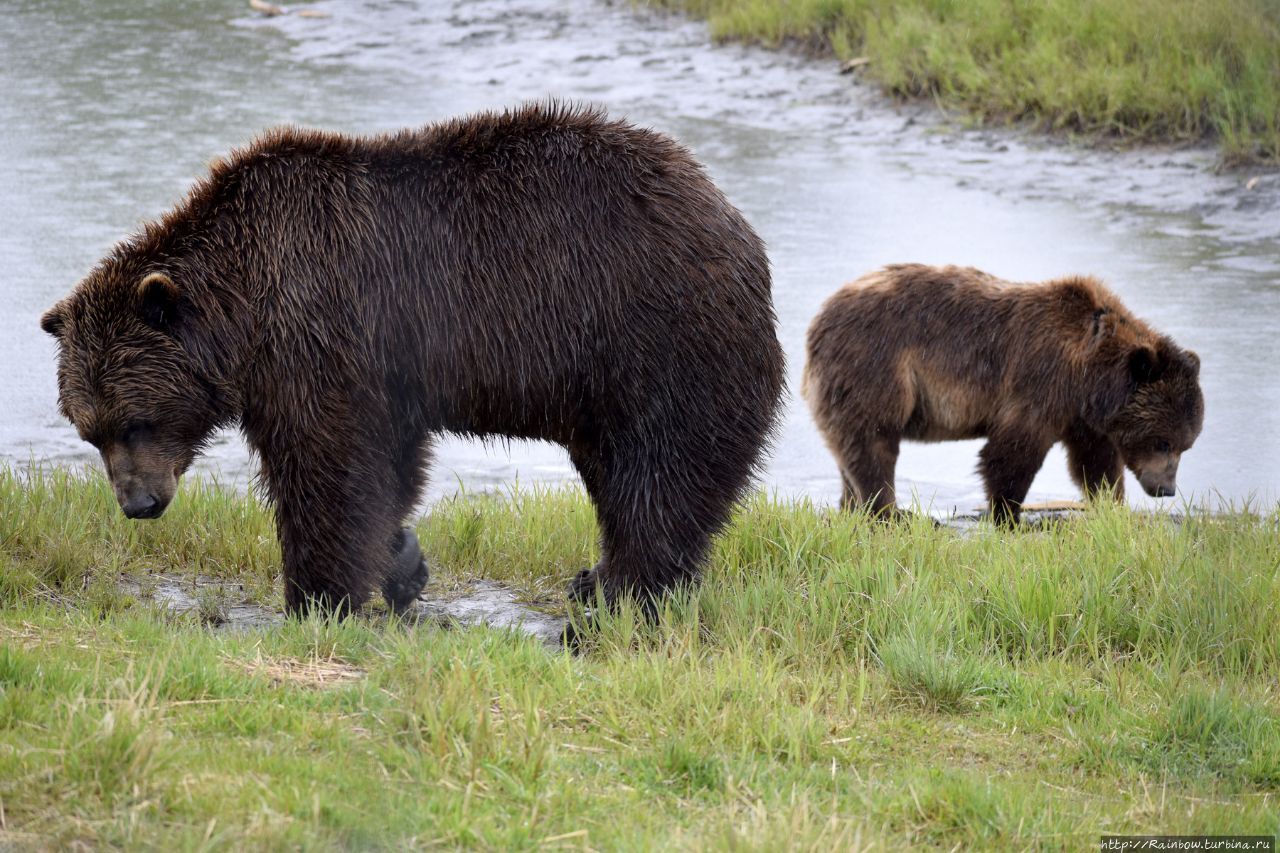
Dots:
{"x": 111, "y": 110}
{"x": 224, "y": 606}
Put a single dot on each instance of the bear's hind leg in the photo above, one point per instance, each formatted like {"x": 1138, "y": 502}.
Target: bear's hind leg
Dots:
{"x": 656, "y": 544}
{"x": 1009, "y": 463}
{"x": 658, "y": 507}
{"x": 867, "y": 470}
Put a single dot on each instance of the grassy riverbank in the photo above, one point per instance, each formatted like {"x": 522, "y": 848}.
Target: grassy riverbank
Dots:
{"x": 836, "y": 684}
{"x": 1146, "y": 70}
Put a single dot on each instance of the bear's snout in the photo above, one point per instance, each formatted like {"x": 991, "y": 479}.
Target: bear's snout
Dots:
{"x": 142, "y": 506}
{"x": 1161, "y": 483}
{"x": 144, "y": 482}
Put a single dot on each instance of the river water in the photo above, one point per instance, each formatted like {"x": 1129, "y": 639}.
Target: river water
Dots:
{"x": 109, "y": 111}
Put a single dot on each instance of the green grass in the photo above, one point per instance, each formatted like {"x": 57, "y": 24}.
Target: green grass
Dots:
{"x": 834, "y": 684}
{"x": 1146, "y": 70}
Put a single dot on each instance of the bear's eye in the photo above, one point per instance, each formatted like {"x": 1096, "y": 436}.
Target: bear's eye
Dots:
{"x": 1163, "y": 446}
{"x": 134, "y": 432}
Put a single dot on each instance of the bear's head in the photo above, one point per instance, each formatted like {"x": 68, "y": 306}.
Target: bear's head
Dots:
{"x": 1162, "y": 416}
{"x": 127, "y": 383}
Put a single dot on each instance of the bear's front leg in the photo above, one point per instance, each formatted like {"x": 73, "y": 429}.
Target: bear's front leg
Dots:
{"x": 338, "y": 519}
{"x": 409, "y": 572}
{"x": 1095, "y": 462}
{"x": 582, "y": 587}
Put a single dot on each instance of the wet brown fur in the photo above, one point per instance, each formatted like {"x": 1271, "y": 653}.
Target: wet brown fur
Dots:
{"x": 943, "y": 353}
{"x": 543, "y": 273}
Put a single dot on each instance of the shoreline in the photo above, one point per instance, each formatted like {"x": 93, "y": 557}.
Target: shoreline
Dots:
{"x": 1036, "y": 511}
{"x": 1109, "y": 83}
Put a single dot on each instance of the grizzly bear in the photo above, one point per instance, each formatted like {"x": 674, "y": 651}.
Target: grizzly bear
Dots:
{"x": 543, "y": 273}
{"x": 945, "y": 353}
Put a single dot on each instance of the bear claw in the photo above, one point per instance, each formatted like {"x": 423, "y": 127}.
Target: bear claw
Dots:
{"x": 583, "y": 586}
{"x": 575, "y": 631}
{"x": 409, "y": 572}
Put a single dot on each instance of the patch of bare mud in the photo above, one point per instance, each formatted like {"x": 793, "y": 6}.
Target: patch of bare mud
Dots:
{"x": 225, "y": 605}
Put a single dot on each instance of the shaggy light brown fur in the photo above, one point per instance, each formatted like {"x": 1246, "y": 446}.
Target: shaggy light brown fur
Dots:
{"x": 944, "y": 353}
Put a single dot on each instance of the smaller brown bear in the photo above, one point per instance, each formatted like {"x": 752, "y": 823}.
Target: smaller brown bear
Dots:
{"x": 947, "y": 353}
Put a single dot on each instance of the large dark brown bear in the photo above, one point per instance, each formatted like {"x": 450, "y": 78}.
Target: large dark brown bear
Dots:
{"x": 941, "y": 353}
{"x": 543, "y": 273}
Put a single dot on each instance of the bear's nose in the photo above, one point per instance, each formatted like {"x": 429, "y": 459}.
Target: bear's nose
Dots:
{"x": 143, "y": 506}
{"x": 1164, "y": 491}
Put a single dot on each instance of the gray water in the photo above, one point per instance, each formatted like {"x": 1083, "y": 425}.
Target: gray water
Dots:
{"x": 109, "y": 110}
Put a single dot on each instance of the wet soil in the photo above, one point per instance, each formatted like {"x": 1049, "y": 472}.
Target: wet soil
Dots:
{"x": 225, "y": 606}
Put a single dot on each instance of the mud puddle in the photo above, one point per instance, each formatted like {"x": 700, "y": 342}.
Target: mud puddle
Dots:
{"x": 223, "y": 605}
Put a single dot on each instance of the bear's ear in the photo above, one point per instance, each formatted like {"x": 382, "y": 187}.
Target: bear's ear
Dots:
{"x": 1144, "y": 365}
{"x": 1193, "y": 359}
{"x": 52, "y": 320}
{"x": 158, "y": 301}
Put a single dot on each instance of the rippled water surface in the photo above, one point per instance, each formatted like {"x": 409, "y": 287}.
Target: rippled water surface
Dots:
{"x": 111, "y": 109}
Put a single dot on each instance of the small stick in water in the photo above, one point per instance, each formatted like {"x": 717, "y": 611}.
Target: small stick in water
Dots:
{"x": 268, "y": 9}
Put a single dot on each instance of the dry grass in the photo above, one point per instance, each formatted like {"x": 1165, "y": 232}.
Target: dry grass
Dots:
{"x": 316, "y": 674}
